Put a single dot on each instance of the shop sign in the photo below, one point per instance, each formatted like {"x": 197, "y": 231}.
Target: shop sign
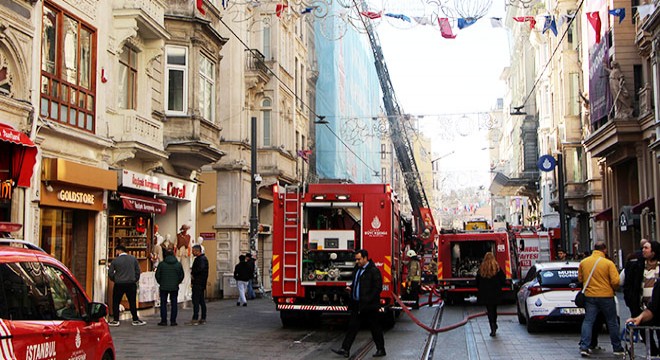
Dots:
{"x": 158, "y": 184}
{"x": 75, "y": 197}
{"x": 71, "y": 197}
{"x": 207, "y": 235}
{"x": 6, "y": 188}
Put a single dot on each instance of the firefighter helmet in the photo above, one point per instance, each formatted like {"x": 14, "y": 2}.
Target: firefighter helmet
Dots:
{"x": 411, "y": 253}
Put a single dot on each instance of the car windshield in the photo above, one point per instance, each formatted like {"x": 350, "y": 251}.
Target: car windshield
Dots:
{"x": 558, "y": 277}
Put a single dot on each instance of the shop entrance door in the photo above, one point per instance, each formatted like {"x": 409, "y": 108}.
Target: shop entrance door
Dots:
{"x": 66, "y": 235}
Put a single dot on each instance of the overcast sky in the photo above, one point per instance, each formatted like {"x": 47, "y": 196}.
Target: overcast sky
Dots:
{"x": 446, "y": 80}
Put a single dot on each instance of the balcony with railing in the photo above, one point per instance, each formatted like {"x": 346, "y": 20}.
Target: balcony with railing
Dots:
{"x": 145, "y": 135}
{"x": 148, "y": 15}
{"x": 256, "y": 69}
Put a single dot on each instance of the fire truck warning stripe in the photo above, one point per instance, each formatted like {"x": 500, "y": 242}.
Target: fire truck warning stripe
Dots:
{"x": 507, "y": 265}
{"x": 440, "y": 270}
{"x": 387, "y": 268}
{"x": 276, "y": 268}
{"x": 6, "y": 347}
{"x": 312, "y": 307}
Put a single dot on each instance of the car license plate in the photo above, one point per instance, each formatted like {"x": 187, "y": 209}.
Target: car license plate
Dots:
{"x": 572, "y": 311}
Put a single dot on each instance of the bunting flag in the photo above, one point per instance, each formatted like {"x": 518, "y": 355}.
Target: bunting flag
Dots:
{"x": 279, "y": 8}
{"x": 620, "y": 13}
{"x": 445, "y": 28}
{"x": 200, "y": 7}
{"x": 423, "y": 20}
{"x": 372, "y": 15}
{"x": 307, "y": 10}
{"x": 645, "y": 10}
{"x": 549, "y": 24}
{"x": 594, "y": 20}
{"x": 304, "y": 154}
{"x": 532, "y": 21}
{"x": 463, "y": 23}
{"x": 398, "y": 16}
{"x": 565, "y": 19}
{"x": 496, "y": 22}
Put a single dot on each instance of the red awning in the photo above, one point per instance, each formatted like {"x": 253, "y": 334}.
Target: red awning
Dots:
{"x": 648, "y": 203}
{"x": 605, "y": 215}
{"x": 143, "y": 204}
{"x": 22, "y": 155}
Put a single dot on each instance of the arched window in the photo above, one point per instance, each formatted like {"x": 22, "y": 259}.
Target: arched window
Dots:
{"x": 266, "y": 139}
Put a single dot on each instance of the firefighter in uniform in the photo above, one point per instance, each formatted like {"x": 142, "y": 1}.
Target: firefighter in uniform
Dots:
{"x": 414, "y": 277}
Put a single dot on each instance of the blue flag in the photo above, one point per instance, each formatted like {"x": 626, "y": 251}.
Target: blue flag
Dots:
{"x": 463, "y": 23}
{"x": 620, "y": 12}
{"x": 550, "y": 24}
{"x": 398, "y": 16}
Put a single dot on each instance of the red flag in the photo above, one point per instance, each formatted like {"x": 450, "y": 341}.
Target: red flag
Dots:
{"x": 445, "y": 28}
{"x": 531, "y": 19}
{"x": 372, "y": 15}
{"x": 200, "y": 7}
{"x": 279, "y": 8}
{"x": 594, "y": 20}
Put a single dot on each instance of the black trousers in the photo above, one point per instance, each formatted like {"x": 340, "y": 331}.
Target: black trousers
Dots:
{"x": 198, "y": 301}
{"x": 491, "y": 310}
{"x": 118, "y": 292}
{"x": 357, "y": 318}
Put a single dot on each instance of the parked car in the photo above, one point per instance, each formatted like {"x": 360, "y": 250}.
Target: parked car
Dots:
{"x": 44, "y": 313}
{"x": 547, "y": 295}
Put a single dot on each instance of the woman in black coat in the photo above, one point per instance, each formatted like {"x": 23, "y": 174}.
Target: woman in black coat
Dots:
{"x": 490, "y": 280}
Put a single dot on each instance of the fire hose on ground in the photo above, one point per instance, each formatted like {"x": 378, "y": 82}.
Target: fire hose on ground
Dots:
{"x": 431, "y": 301}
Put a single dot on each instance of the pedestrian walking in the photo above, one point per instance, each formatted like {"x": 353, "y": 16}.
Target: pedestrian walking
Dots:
{"x": 365, "y": 302}
{"x": 490, "y": 280}
{"x": 253, "y": 265}
{"x": 124, "y": 271}
{"x": 200, "y": 275}
{"x": 602, "y": 280}
{"x": 631, "y": 278}
{"x": 639, "y": 278}
{"x": 242, "y": 274}
{"x": 169, "y": 275}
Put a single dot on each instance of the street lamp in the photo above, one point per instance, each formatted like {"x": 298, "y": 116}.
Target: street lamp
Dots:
{"x": 256, "y": 180}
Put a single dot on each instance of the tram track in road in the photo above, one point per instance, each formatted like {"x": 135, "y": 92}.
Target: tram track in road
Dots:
{"x": 364, "y": 351}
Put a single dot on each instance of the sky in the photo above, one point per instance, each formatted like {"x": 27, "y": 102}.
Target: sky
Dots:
{"x": 448, "y": 81}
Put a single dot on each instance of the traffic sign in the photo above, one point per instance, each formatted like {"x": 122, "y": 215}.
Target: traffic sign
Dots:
{"x": 546, "y": 163}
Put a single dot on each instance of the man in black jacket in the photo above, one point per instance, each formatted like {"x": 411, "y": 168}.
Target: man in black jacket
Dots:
{"x": 632, "y": 283}
{"x": 242, "y": 274}
{"x": 365, "y": 302}
{"x": 200, "y": 275}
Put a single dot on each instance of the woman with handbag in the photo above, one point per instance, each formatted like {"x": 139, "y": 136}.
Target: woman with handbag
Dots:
{"x": 490, "y": 280}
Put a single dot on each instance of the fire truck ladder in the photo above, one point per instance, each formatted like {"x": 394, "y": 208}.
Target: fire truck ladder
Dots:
{"x": 398, "y": 131}
{"x": 290, "y": 259}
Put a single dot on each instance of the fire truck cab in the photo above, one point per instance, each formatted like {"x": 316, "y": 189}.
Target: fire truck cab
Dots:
{"x": 316, "y": 231}
{"x": 461, "y": 253}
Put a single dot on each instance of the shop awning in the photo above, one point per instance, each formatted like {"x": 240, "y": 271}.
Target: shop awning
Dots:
{"x": 22, "y": 155}
{"x": 605, "y": 215}
{"x": 143, "y": 204}
{"x": 648, "y": 203}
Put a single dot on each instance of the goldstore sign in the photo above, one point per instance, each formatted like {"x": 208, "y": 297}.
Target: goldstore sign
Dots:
{"x": 62, "y": 195}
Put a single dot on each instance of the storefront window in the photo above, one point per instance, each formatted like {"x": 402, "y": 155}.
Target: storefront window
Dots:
{"x": 64, "y": 235}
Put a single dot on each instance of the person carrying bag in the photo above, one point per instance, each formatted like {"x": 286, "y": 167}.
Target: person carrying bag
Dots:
{"x": 580, "y": 299}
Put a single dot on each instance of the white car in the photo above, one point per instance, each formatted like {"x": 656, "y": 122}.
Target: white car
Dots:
{"x": 547, "y": 295}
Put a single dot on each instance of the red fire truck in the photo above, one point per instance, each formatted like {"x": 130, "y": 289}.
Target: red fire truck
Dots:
{"x": 316, "y": 230}
{"x": 460, "y": 254}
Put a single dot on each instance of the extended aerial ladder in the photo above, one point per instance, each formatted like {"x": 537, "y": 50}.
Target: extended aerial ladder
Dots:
{"x": 403, "y": 148}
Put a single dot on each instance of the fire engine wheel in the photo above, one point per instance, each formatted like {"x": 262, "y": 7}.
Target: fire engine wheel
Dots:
{"x": 521, "y": 318}
{"x": 288, "y": 318}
